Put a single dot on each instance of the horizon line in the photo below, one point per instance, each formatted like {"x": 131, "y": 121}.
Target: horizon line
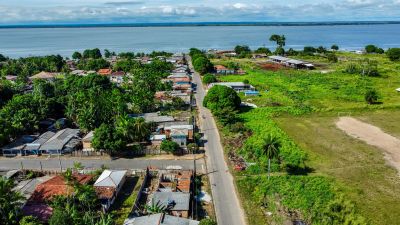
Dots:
{"x": 188, "y": 24}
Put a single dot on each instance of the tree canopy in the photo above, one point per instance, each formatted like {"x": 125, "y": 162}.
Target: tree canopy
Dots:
{"x": 393, "y": 54}
{"x": 220, "y": 98}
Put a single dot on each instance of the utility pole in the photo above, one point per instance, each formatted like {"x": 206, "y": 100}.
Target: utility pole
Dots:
{"x": 60, "y": 164}
{"x": 41, "y": 167}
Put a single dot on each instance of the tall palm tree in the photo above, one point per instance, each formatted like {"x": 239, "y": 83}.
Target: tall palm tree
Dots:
{"x": 141, "y": 129}
{"x": 270, "y": 149}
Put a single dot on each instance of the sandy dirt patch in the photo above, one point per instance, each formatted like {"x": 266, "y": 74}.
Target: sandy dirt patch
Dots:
{"x": 374, "y": 136}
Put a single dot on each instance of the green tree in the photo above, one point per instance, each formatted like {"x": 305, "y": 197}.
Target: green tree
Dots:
{"x": 107, "y": 138}
{"x": 209, "y": 78}
{"x": 270, "y": 149}
{"x": 92, "y": 53}
{"x": 61, "y": 217}
{"x": 10, "y": 202}
{"x": 393, "y": 54}
{"x": 263, "y": 50}
{"x": 279, "y": 39}
{"x": 207, "y": 222}
{"x": 242, "y": 49}
{"x": 107, "y": 53}
{"x": 203, "y": 65}
{"x": 221, "y": 97}
{"x": 374, "y": 49}
{"x": 76, "y": 56}
{"x": 280, "y": 51}
{"x": 371, "y": 96}
{"x": 169, "y": 146}
{"x": 332, "y": 57}
{"x": 335, "y": 47}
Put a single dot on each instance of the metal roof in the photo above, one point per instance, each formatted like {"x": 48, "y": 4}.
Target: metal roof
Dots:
{"x": 110, "y": 178}
{"x": 159, "y": 219}
{"x": 180, "y": 199}
{"x": 60, "y": 139}
{"x": 20, "y": 143}
{"x": 277, "y": 57}
{"x": 40, "y": 141}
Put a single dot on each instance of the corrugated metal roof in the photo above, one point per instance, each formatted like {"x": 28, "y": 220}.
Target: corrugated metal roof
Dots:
{"x": 159, "y": 219}
{"x": 180, "y": 199}
{"x": 60, "y": 139}
{"x": 110, "y": 178}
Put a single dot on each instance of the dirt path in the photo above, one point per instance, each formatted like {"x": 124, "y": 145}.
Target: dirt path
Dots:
{"x": 373, "y": 135}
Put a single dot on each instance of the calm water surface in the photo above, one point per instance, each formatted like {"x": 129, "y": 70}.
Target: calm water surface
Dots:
{"x": 43, "y": 41}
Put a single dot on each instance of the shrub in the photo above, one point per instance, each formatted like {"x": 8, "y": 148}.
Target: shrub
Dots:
{"x": 374, "y": 49}
{"x": 169, "y": 146}
{"x": 332, "y": 58}
{"x": 393, "y": 54}
{"x": 207, "y": 222}
{"x": 209, "y": 78}
{"x": 371, "y": 96}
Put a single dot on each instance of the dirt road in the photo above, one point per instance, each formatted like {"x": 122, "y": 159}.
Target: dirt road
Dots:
{"x": 374, "y": 136}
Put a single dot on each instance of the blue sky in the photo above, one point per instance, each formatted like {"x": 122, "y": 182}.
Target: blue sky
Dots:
{"x": 127, "y": 11}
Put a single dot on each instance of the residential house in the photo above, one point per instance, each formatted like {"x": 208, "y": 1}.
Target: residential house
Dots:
{"x": 105, "y": 72}
{"x": 237, "y": 86}
{"x": 108, "y": 185}
{"x": 45, "y": 76}
{"x": 153, "y": 117}
{"x": 87, "y": 142}
{"x": 159, "y": 219}
{"x": 157, "y": 139}
{"x": 180, "y": 134}
{"x": 176, "y": 203}
{"x": 220, "y": 69}
{"x": 17, "y": 147}
{"x": 37, "y": 204}
{"x": 34, "y": 147}
{"x": 175, "y": 181}
{"x": 296, "y": 64}
{"x": 259, "y": 55}
{"x": 117, "y": 77}
{"x": 64, "y": 141}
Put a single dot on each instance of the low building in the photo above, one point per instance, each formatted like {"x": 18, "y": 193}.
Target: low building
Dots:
{"x": 87, "y": 142}
{"x": 181, "y": 134}
{"x": 34, "y": 147}
{"x": 117, "y": 77}
{"x": 108, "y": 186}
{"x": 153, "y": 117}
{"x": 237, "y": 86}
{"x": 159, "y": 219}
{"x": 157, "y": 139}
{"x": 294, "y": 63}
{"x": 175, "y": 181}
{"x": 105, "y": 72}
{"x": 64, "y": 141}
{"x": 176, "y": 203}
{"x": 220, "y": 69}
{"x": 17, "y": 147}
{"x": 49, "y": 76}
{"x": 259, "y": 55}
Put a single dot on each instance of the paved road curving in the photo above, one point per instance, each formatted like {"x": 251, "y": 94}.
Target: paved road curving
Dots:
{"x": 226, "y": 202}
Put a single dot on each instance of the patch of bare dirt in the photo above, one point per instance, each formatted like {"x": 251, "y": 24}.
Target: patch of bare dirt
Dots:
{"x": 374, "y": 136}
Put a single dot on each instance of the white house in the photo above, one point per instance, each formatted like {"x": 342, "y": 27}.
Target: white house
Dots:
{"x": 108, "y": 185}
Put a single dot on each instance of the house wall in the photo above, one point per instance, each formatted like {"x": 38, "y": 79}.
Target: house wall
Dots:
{"x": 183, "y": 214}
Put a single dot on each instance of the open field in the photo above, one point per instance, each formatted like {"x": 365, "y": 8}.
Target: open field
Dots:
{"x": 301, "y": 108}
{"x": 320, "y": 91}
{"x": 359, "y": 168}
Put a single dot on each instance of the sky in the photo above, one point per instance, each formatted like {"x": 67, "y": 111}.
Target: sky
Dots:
{"x": 14, "y": 12}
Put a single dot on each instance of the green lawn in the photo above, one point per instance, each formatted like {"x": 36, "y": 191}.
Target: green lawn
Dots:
{"x": 122, "y": 206}
{"x": 360, "y": 169}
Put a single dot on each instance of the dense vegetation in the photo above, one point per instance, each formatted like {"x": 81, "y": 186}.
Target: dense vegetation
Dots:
{"x": 200, "y": 61}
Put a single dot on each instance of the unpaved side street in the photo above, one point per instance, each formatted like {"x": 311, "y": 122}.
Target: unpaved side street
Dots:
{"x": 374, "y": 136}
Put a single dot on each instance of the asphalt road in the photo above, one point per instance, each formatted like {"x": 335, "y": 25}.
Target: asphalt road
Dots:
{"x": 54, "y": 163}
{"x": 227, "y": 206}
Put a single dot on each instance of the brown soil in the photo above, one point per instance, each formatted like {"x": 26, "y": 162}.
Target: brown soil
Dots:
{"x": 373, "y": 136}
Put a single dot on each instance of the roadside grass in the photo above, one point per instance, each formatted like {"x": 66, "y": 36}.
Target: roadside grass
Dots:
{"x": 122, "y": 206}
{"x": 359, "y": 168}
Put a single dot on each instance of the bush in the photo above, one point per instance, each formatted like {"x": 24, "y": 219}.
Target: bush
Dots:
{"x": 207, "y": 222}
{"x": 393, "y": 54}
{"x": 209, "y": 78}
{"x": 221, "y": 97}
{"x": 169, "y": 146}
{"x": 263, "y": 50}
{"x": 373, "y": 49}
{"x": 335, "y": 47}
{"x": 332, "y": 58}
{"x": 371, "y": 96}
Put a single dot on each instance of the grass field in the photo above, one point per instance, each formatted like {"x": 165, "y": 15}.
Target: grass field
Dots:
{"x": 358, "y": 167}
{"x": 355, "y": 169}
{"x": 122, "y": 206}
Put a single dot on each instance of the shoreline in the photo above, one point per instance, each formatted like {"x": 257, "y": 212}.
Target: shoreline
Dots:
{"x": 198, "y": 24}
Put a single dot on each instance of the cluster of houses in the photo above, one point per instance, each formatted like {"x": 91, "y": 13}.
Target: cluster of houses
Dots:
{"x": 177, "y": 129}
{"x": 293, "y": 63}
{"x": 173, "y": 193}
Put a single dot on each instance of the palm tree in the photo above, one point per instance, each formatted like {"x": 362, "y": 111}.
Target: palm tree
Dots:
{"x": 271, "y": 149}
{"x": 69, "y": 179}
{"x": 156, "y": 208}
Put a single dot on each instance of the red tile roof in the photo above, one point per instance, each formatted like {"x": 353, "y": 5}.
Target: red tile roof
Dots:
{"x": 105, "y": 192}
{"x": 220, "y": 67}
{"x": 104, "y": 72}
{"x": 56, "y": 186}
